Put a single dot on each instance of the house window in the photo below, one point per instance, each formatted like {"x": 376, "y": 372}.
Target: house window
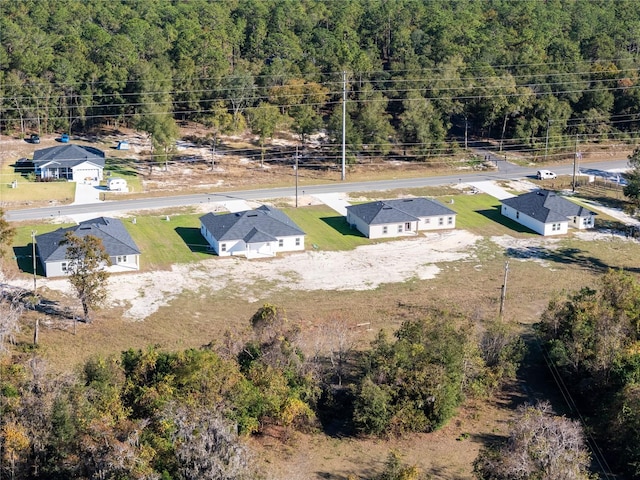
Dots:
{"x": 407, "y": 227}
{"x": 517, "y": 214}
{"x": 441, "y": 221}
{"x": 555, "y": 227}
{"x": 280, "y": 243}
{"x": 121, "y": 259}
{"x": 399, "y": 228}
{"x": 65, "y": 266}
{"x": 427, "y": 220}
{"x": 449, "y": 220}
{"x": 585, "y": 221}
{"x": 223, "y": 247}
{"x": 384, "y": 229}
{"x": 297, "y": 241}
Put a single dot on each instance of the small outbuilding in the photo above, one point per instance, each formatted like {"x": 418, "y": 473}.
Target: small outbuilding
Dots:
{"x": 123, "y": 145}
{"x": 116, "y": 184}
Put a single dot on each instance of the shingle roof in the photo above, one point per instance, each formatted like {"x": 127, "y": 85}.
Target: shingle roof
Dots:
{"x": 111, "y": 231}
{"x": 69, "y": 155}
{"x": 400, "y": 210}
{"x": 264, "y": 224}
{"x": 546, "y": 206}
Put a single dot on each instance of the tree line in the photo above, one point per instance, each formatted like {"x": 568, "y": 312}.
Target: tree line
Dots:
{"x": 181, "y": 415}
{"x": 420, "y": 76}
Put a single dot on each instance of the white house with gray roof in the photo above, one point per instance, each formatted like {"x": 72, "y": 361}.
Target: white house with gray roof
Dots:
{"x": 76, "y": 163}
{"x": 122, "y": 250}
{"x": 262, "y": 232}
{"x": 401, "y": 217}
{"x": 547, "y": 213}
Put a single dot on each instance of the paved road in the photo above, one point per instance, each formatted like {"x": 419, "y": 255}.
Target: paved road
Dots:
{"x": 505, "y": 171}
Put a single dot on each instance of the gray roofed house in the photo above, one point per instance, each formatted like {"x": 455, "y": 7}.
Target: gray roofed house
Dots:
{"x": 123, "y": 252}
{"x": 253, "y": 233}
{"x": 77, "y": 163}
{"x": 547, "y": 213}
{"x": 400, "y": 217}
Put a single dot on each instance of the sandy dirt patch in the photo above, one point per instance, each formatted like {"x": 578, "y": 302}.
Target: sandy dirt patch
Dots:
{"x": 366, "y": 267}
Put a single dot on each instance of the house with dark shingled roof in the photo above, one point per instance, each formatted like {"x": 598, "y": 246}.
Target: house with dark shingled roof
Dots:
{"x": 122, "y": 250}
{"x": 76, "y": 163}
{"x": 547, "y": 213}
{"x": 400, "y": 217}
{"x": 262, "y": 232}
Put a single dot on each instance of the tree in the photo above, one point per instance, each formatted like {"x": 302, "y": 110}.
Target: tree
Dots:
{"x": 87, "y": 259}
{"x": 394, "y": 469}
{"x": 11, "y": 307}
{"x": 541, "y": 446}
{"x": 7, "y": 233}
{"x": 421, "y": 127}
{"x": 632, "y": 188}
{"x": 207, "y": 447}
{"x": 263, "y": 120}
{"x": 415, "y": 383}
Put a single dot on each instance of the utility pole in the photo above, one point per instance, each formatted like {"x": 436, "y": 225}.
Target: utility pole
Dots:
{"x": 546, "y": 142}
{"x": 344, "y": 125}
{"x": 575, "y": 159}
{"x": 296, "y": 169}
{"x": 213, "y": 153}
{"x": 466, "y": 136}
{"x": 503, "y": 294}
{"x": 33, "y": 255}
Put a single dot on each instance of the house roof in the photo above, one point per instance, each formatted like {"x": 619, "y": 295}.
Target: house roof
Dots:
{"x": 111, "y": 231}
{"x": 400, "y": 210}
{"x": 264, "y": 224}
{"x": 68, "y": 155}
{"x": 546, "y": 206}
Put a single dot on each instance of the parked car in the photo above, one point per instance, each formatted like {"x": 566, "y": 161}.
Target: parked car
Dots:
{"x": 35, "y": 138}
{"x": 545, "y": 174}
{"x": 64, "y": 138}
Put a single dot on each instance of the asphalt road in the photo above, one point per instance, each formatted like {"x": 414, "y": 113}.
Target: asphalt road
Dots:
{"x": 505, "y": 171}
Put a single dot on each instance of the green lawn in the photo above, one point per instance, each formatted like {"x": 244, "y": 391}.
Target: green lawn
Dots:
{"x": 164, "y": 243}
{"x": 325, "y": 228}
{"x": 123, "y": 168}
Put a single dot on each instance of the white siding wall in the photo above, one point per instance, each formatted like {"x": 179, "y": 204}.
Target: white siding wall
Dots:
{"x": 126, "y": 262}
{"x": 582, "y": 223}
{"x": 289, "y": 244}
{"x": 537, "y": 226}
{"x": 55, "y": 269}
{"x": 358, "y": 223}
{"x": 433, "y": 223}
{"x": 85, "y": 171}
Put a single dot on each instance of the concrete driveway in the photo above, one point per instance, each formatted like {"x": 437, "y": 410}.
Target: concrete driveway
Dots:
{"x": 337, "y": 201}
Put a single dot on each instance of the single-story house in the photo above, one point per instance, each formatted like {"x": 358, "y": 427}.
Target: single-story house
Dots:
{"x": 547, "y": 213}
{"x": 76, "y": 163}
{"x": 122, "y": 250}
{"x": 401, "y": 217}
{"x": 262, "y": 232}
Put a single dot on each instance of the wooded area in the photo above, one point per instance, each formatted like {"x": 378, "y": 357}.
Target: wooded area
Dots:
{"x": 420, "y": 76}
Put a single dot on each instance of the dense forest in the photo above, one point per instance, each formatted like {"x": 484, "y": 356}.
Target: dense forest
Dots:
{"x": 418, "y": 76}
